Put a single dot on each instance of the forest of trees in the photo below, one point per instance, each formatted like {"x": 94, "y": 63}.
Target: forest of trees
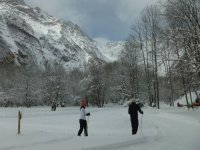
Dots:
{"x": 165, "y": 37}
{"x": 168, "y": 35}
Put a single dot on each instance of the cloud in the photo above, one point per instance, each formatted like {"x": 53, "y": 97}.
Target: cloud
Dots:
{"x": 129, "y": 10}
{"x": 101, "y": 40}
{"x": 110, "y": 19}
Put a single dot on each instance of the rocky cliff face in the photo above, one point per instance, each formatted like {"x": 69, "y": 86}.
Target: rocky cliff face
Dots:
{"x": 28, "y": 34}
{"x": 13, "y": 2}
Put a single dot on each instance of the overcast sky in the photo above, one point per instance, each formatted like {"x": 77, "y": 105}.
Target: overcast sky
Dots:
{"x": 107, "y": 19}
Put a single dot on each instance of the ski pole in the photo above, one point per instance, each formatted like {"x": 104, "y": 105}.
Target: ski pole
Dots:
{"x": 141, "y": 121}
{"x": 140, "y": 126}
{"x": 87, "y": 123}
{"x": 88, "y": 119}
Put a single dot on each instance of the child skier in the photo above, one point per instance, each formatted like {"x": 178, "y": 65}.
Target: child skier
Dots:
{"x": 82, "y": 120}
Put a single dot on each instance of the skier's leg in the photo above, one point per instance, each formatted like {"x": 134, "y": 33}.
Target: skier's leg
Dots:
{"x": 85, "y": 129}
{"x": 135, "y": 126}
{"x": 81, "y": 127}
{"x": 132, "y": 125}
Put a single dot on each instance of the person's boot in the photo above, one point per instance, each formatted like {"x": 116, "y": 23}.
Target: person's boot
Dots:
{"x": 86, "y": 133}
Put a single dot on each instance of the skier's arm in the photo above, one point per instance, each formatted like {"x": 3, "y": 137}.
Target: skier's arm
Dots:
{"x": 86, "y": 113}
{"x": 129, "y": 110}
{"x": 139, "y": 109}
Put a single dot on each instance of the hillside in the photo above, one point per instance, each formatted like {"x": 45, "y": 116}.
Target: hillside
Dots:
{"x": 31, "y": 35}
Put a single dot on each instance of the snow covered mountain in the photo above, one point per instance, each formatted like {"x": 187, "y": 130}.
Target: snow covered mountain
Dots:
{"x": 110, "y": 49}
{"x": 28, "y": 34}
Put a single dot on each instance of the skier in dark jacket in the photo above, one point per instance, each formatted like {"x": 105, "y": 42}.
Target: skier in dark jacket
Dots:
{"x": 133, "y": 111}
{"x": 82, "y": 120}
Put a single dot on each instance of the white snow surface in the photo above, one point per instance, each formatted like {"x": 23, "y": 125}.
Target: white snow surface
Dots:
{"x": 109, "y": 129}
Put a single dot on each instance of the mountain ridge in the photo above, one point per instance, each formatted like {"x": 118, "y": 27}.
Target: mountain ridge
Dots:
{"x": 29, "y": 33}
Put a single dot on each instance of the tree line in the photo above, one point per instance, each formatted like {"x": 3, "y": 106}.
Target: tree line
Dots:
{"x": 160, "y": 61}
{"x": 167, "y": 35}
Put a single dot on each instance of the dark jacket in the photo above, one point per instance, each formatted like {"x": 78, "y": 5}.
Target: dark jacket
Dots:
{"x": 133, "y": 110}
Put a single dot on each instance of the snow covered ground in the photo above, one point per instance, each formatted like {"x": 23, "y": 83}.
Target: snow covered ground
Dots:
{"x": 109, "y": 129}
{"x": 182, "y": 99}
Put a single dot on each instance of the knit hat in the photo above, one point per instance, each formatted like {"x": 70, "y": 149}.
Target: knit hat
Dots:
{"x": 132, "y": 100}
{"x": 83, "y": 102}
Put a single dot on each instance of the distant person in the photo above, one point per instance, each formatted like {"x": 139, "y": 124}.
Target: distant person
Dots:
{"x": 179, "y": 105}
{"x": 53, "y": 106}
{"x": 133, "y": 112}
{"x": 82, "y": 120}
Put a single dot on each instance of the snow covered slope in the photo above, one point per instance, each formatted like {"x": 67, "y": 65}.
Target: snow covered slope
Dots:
{"x": 110, "y": 50}
{"x": 28, "y": 34}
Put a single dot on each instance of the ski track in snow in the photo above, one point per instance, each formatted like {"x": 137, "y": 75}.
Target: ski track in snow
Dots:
{"x": 161, "y": 129}
{"x": 120, "y": 145}
{"x": 37, "y": 143}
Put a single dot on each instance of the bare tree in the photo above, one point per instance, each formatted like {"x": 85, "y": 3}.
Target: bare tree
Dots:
{"x": 54, "y": 83}
{"x": 131, "y": 61}
{"x": 94, "y": 90}
{"x": 147, "y": 32}
{"x": 183, "y": 33}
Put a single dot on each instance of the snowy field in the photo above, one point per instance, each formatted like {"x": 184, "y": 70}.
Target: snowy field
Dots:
{"x": 109, "y": 129}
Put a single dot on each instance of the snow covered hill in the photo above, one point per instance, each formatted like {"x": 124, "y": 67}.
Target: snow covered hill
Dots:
{"x": 110, "y": 49}
{"x": 28, "y": 34}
